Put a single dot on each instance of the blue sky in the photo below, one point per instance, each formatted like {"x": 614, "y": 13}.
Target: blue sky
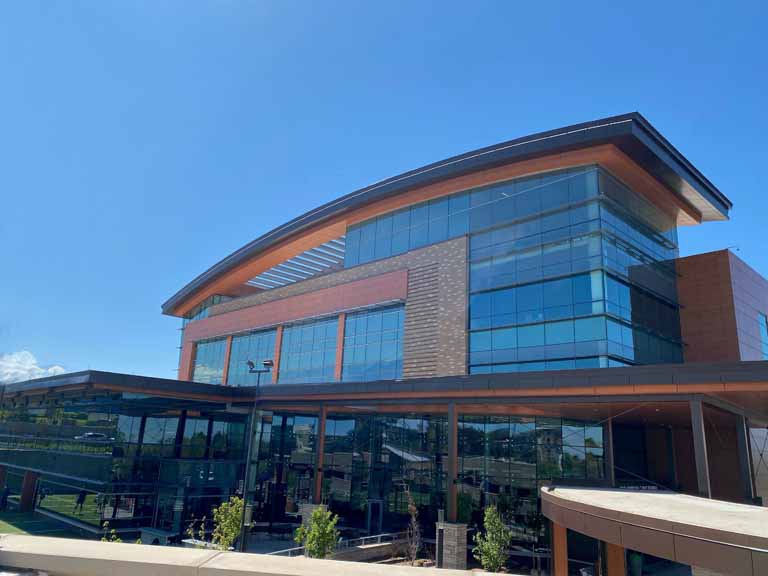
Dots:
{"x": 140, "y": 142}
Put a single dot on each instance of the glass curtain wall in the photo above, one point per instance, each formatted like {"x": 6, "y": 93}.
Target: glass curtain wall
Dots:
{"x": 504, "y": 460}
{"x": 308, "y": 352}
{"x": 371, "y": 461}
{"x": 569, "y": 269}
{"x": 256, "y": 347}
{"x": 373, "y": 345}
{"x": 581, "y": 277}
{"x": 285, "y": 469}
{"x": 106, "y": 457}
{"x": 209, "y": 361}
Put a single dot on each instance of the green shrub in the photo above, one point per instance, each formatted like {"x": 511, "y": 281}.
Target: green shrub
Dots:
{"x": 492, "y": 548}
{"x": 226, "y": 523}
{"x": 319, "y": 540}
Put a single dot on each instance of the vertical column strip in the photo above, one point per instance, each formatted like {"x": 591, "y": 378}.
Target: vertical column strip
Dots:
{"x": 276, "y": 355}
{"x": 559, "y": 549}
{"x": 317, "y": 497}
{"x": 610, "y": 468}
{"x": 187, "y": 371}
{"x": 340, "y": 346}
{"x": 227, "y": 354}
{"x": 615, "y": 560}
{"x": 745, "y": 461}
{"x": 700, "y": 448}
{"x": 452, "y": 467}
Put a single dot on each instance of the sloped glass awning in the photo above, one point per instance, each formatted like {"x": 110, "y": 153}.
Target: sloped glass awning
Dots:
{"x": 327, "y": 257}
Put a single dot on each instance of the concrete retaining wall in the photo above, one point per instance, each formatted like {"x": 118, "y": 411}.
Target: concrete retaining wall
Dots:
{"x": 65, "y": 557}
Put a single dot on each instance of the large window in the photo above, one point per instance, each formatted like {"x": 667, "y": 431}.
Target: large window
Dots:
{"x": 458, "y": 214}
{"x": 587, "y": 283}
{"x": 308, "y": 352}
{"x": 209, "y": 361}
{"x": 373, "y": 459}
{"x": 561, "y": 324}
{"x": 256, "y": 347}
{"x": 195, "y": 440}
{"x": 764, "y": 335}
{"x": 503, "y": 459}
{"x": 373, "y": 345}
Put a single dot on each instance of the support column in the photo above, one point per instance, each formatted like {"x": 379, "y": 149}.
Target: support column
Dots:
{"x": 317, "y": 496}
{"x": 700, "y": 448}
{"x": 179, "y": 439}
{"x": 451, "y": 478}
{"x": 227, "y": 354}
{"x": 453, "y": 555}
{"x": 452, "y": 536}
{"x": 615, "y": 560}
{"x": 276, "y": 355}
{"x": 559, "y": 549}
{"x": 28, "y": 489}
{"x": 340, "y": 346}
{"x": 674, "y": 480}
{"x": 610, "y": 470}
{"x": 745, "y": 460}
{"x": 209, "y": 438}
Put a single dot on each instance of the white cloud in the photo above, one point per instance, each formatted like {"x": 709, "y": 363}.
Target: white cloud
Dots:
{"x": 19, "y": 366}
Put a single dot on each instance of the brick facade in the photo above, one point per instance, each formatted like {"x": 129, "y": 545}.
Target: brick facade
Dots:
{"x": 431, "y": 280}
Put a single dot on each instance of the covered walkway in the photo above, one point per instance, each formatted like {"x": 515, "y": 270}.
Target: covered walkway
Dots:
{"x": 713, "y": 535}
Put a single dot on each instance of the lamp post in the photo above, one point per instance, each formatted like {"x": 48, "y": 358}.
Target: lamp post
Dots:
{"x": 266, "y": 367}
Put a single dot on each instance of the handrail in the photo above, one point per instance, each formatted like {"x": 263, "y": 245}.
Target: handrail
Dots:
{"x": 347, "y": 544}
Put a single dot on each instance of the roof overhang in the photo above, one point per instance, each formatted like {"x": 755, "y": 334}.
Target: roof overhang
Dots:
{"x": 631, "y": 133}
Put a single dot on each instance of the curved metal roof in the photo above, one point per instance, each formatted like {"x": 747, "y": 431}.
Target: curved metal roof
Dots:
{"x": 631, "y": 133}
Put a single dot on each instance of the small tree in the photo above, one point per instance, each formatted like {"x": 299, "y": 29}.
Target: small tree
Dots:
{"x": 201, "y": 530}
{"x": 414, "y": 529}
{"x": 226, "y": 522}
{"x": 492, "y": 548}
{"x": 192, "y": 534}
{"x": 319, "y": 540}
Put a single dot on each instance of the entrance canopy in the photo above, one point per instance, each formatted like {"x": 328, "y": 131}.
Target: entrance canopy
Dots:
{"x": 712, "y": 534}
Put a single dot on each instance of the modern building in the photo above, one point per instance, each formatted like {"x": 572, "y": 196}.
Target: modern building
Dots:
{"x": 462, "y": 334}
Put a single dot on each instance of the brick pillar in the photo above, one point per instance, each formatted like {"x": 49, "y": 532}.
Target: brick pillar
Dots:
{"x": 615, "y": 560}
{"x": 28, "y": 488}
{"x": 454, "y": 539}
{"x": 559, "y": 550}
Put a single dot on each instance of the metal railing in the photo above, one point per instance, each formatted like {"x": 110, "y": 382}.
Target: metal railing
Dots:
{"x": 347, "y": 544}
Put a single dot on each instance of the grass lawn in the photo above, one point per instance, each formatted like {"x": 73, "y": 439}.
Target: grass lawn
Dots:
{"x": 26, "y": 523}
{"x": 64, "y": 504}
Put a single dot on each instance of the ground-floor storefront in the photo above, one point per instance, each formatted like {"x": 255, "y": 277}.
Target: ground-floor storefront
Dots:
{"x": 147, "y": 453}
